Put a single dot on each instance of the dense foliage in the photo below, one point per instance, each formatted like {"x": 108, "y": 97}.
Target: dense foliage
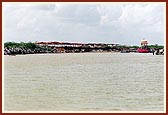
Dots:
{"x": 155, "y": 46}
{"x": 28, "y": 45}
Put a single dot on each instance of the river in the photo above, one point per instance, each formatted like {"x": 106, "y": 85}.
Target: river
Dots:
{"x": 84, "y": 82}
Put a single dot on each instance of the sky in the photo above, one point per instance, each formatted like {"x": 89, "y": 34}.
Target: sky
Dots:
{"x": 84, "y": 23}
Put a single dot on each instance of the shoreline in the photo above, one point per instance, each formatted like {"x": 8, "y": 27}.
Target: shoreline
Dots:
{"x": 61, "y": 53}
{"x": 41, "y": 48}
{"x": 78, "y": 53}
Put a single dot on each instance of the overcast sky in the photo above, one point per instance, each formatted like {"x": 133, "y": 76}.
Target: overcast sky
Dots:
{"x": 99, "y": 23}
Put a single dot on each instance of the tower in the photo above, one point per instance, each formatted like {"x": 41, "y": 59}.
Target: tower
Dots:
{"x": 144, "y": 44}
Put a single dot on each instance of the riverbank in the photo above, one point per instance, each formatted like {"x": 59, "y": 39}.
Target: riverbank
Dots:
{"x": 12, "y": 48}
{"x": 20, "y": 51}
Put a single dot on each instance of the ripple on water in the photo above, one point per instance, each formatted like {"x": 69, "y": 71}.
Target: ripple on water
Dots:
{"x": 84, "y": 82}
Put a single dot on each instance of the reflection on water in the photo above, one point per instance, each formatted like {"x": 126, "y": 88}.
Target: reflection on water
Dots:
{"x": 84, "y": 82}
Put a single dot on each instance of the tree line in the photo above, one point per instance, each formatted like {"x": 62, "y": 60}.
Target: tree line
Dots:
{"x": 30, "y": 45}
{"x": 24, "y": 45}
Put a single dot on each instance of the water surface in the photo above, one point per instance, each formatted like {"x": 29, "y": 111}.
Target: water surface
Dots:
{"x": 84, "y": 82}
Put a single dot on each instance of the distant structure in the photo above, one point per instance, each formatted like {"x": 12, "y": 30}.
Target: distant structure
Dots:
{"x": 143, "y": 48}
{"x": 66, "y": 47}
{"x": 67, "y": 44}
{"x": 144, "y": 44}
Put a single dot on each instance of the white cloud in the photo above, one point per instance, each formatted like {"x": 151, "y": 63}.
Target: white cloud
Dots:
{"x": 109, "y": 13}
{"x": 114, "y": 23}
{"x": 84, "y": 14}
